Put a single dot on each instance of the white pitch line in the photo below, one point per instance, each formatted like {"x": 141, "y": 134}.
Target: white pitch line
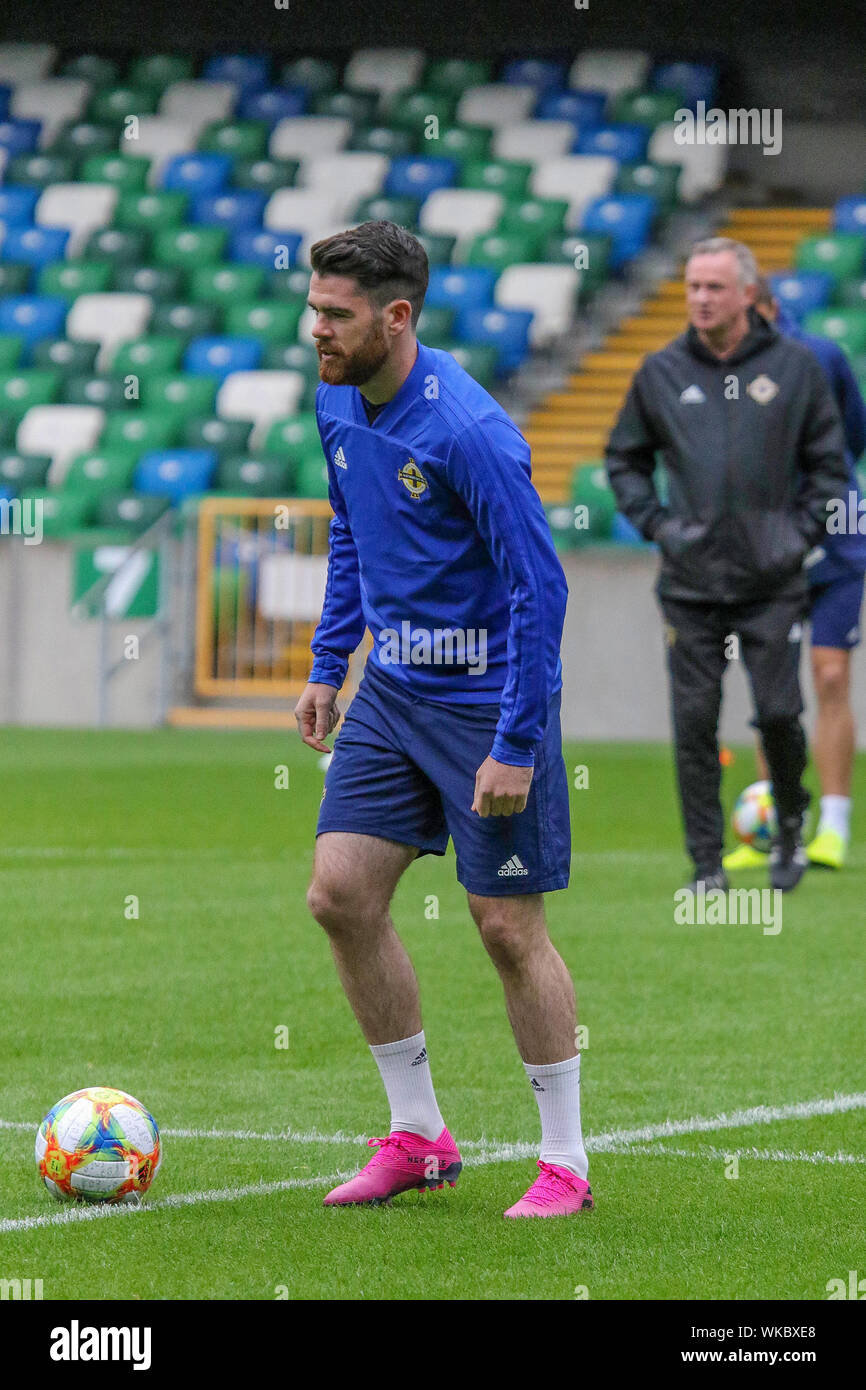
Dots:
{"x": 766, "y": 1155}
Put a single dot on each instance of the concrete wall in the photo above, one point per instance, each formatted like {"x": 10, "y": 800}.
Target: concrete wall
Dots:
{"x": 615, "y": 684}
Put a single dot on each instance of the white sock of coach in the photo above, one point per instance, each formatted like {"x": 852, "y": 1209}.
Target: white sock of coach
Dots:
{"x": 557, "y": 1091}
{"x": 836, "y": 815}
{"x": 405, "y": 1072}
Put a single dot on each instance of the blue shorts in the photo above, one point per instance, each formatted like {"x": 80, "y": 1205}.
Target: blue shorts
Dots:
{"x": 835, "y": 612}
{"x": 404, "y": 769}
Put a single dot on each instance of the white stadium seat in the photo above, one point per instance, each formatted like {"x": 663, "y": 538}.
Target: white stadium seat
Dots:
{"x": 460, "y": 212}
{"x": 59, "y": 432}
{"x": 550, "y": 291}
{"x": 309, "y": 211}
{"x": 578, "y": 178}
{"x": 199, "y": 103}
{"x": 82, "y": 207}
{"x": 299, "y": 137}
{"x": 532, "y": 141}
{"x": 356, "y": 174}
{"x": 159, "y": 138}
{"x": 609, "y": 70}
{"x": 108, "y": 319}
{"x": 496, "y": 103}
{"x": 52, "y": 101}
{"x": 385, "y": 70}
{"x": 704, "y": 166}
{"x": 21, "y": 63}
{"x": 261, "y": 397}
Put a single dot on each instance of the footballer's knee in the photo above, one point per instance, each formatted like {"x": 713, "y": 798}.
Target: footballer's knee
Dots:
{"x": 339, "y": 907}
{"x": 830, "y": 675}
{"x": 510, "y": 933}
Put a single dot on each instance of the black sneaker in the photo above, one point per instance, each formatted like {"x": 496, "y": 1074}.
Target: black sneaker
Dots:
{"x": 716, "y": 879}
{"x": 788, "y": 861}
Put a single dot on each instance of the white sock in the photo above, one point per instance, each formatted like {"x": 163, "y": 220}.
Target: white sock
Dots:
{"x": 836, "y": 815}
{"x": 557, "y": 1091}
{"x": 405, "y": 1072}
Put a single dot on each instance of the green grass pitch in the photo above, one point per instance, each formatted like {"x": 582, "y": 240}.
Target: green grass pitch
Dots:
{"x": 183, "y": 1005}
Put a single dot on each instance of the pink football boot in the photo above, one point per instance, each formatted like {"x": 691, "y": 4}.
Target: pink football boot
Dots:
{"x": 404, "y": 1162}
{"x": 555, "y": 1192}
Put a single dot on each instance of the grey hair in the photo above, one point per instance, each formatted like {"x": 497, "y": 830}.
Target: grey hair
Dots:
{"x": 746, "y": 263}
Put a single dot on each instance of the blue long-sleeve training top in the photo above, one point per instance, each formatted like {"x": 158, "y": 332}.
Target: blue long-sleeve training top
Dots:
{"x": 440, "y": 545}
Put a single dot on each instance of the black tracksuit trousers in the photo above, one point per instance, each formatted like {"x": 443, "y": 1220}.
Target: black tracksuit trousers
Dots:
{"x": 769, "y": 645}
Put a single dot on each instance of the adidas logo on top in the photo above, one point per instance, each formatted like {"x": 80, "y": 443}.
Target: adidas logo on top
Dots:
{"x": 536, "y": 1085}
{"x": 512, "y": 867}
{"x": 422, "y": 1057}
{"x": 693, "y": 395}
{"x": 340, "y": 458}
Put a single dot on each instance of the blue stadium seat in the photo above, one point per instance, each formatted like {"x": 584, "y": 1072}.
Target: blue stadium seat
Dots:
{"x": 620, "y": 140}
{"x": 273, "y": 104}
{"x": 507, "y": 330}
{"x": 258, "y": 246}
{"x": 849, "y": 214}
{"x": 801, "y": 291}
{"x": 411, "y": 177}
{"x": 586, "y": 108}
{"x": 19, "y": 137}
{"x": 36, "y": 246}
{"x": 5, "y": 98}
{"x": 461, "y": 287}
{"x": 249, "y": 70}
{"x": 197, "y": 173}
{"x": 17, "y": 205}
{"x": 221, "y": 356}
{"x": 544, "y": 73}
{"x": 626, "y": 218}
{"x": 239, "y": 207}
{"x": 696, "y": 81}
{"x": 175, "y": 473}
{"x": 33, "y": 316}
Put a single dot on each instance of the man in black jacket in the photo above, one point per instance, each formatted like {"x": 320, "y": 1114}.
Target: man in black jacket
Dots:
{"x": 744, "y": 424}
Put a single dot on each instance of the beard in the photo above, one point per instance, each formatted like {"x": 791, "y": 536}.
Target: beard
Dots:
{"x": 354, "y": 369}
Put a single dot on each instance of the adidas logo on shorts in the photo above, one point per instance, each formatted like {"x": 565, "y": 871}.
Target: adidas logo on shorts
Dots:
{"x": 511, "y": 867}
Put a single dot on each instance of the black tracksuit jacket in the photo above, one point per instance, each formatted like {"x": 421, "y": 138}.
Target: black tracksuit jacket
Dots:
{"x": 753, "y": 448}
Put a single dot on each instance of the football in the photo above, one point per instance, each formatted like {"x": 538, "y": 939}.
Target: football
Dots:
{"x": 754, "y": 816}
{"x": 98, "y": 1145}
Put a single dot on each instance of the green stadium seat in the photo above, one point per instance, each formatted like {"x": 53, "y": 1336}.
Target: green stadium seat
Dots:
{"x": 290, "y": 284}
{"x": 455, "y": 74}
{"x": 439, "y": 247}
{"x": 591, "y": 489}
{"x": 403, "y": 211}
{"x": 316, "y": 74}
{"x": 506, "y": 176}
{"x": 351, "y": 106}
{"x": 10, "y": 348}
{"x": 114, "y": 104}
{"x": 106, "y": 392}
{"x": 101, "y": 471}
{"x": 151, "y": 356}
{"x": 226, "y": 284}
{"x": 646, "y": 108}
{"x": 62, "y": 512}
{"x": 240, "y": 139}
{"x": 67, "y": 357}
{"x": 180, "y": 395}
{"x": 270, "y": 321}
{"x": 311, "y": 477}
{"x": 159, "y": 70}
{"x": 129, "y": 511}
{"x": 82, "y": 138}
{"x": 413, "y": 110}
{"x": 292, "y": 357}
{"x": 265, "y": 175}
{"x": 479, "y": 360}
{"x": 14, "y": 278}
{"x": 225, "y": 437}
{"x": 297, "y": 437}
{"x": 560, "y": 519}
{"x": 502, "y": 249}
{"x": 143, "y": 430}
{"x": 124, "y": 171}
{"x": 121, "y": 246}
{"x": 852, "y": 293}
{"x": 464, "y": 143}
{"x": 542, "y": 215}
{"x": 436, "y": 326}
{"x": 189, "y": 247}
{"x": 186, "y": 320}
{"x": 162, "y": 282}
{"x": 38, "y": 170}
{"x": 21, "y": 472}
{"x": 152, "y": 211}
{"x": 841, "y": 254}
{"x": 69, "y": 279}
{"x": 8, "y": 430}
{"x": 661, "y": 181}
{"x": 19, "y": 390}
{"x": 587, "y": 251}
{"x": 256, "y": 477}
{"x": 98, "y": 71}
{"x": 847, "y": 327}
{"x": 382, "y": 139}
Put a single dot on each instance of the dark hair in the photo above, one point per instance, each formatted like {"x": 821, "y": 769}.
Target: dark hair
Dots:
{"x": 387, "y": 262}
{"x": 765, "y": 294}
